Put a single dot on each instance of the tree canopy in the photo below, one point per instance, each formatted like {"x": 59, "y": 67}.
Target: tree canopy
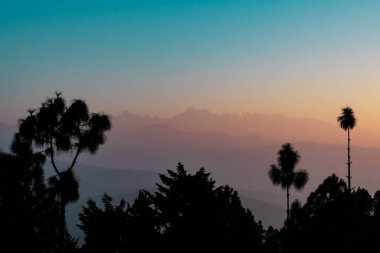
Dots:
{"x": 187, "y": 213}
{"x": 55, "y": 128}
{"x": 283, "y": 173}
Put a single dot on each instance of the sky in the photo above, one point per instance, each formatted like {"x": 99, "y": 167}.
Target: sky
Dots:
{"x": 158, "y": 57}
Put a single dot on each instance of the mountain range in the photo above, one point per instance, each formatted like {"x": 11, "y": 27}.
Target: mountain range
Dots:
{"x": 269, "y": 127}
{"x": 237, "y": 149}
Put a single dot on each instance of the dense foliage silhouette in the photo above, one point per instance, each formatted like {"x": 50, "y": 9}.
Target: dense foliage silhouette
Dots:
{"x": 55, "y": 128}
{"x": 333, "y": 220}
{"x": 186, "y": 214}
{"x": 122, "y": 227}
{"x": 25, "y": 205}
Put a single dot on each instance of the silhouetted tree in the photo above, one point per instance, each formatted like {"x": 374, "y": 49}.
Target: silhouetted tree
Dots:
{"x": 55, "y": 128}
{"x": 143, "y": 225}
{"x": 198, "y": 217}
{"x": 187, "y": 214}
{"x": 104, "y": 229}
{"x": 324, "y": 225}
{"x": 27, "y": 214}
{"x": 283, "y": 172}
{"x": 347, "y": 121}
{"x": 120, "y": 228}
{"x": 273, "y": 241}
{"x": 376, "y": 215}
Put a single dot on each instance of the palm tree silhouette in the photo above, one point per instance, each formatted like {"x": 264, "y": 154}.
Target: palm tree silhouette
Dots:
{"x": 283, "y": 173}
{"x": 347, "y": 121}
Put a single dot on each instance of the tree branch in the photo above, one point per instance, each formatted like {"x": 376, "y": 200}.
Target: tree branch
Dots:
{"x": 52, "y": 157}
{"x": 75, "y": 159}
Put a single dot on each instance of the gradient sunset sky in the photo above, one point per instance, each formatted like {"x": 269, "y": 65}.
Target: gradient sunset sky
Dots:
{"x": 297, "y": 58}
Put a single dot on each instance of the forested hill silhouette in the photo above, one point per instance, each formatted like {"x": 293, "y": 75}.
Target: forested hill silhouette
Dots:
{"x": 188, "y": 213}
{"x": 94, "y": 181}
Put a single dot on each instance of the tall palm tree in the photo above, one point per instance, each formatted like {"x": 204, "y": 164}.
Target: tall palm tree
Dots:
{"x": 347, "y": 121}
{"x": 283, "y": 172}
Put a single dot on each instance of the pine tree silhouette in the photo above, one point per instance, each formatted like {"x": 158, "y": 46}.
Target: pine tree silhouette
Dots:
{"x": 55, "y": 128}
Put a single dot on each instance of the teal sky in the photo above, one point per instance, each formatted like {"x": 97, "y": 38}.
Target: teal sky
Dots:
{"x": 298, "y": 58}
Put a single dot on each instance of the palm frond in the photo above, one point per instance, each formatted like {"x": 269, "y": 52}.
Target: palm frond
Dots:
{"x": 300, "y": 179}
{"x": 275, "y": 174}
{"x": 347, "y": 119}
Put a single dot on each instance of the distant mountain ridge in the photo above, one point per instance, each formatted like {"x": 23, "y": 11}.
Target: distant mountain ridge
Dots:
{"x": 273, "y": 127}
{"x": 157, "y": 144}
{"x": 262, "y": 129}
{"x": 166, "y": 137}
{"x": 202, "y": 138}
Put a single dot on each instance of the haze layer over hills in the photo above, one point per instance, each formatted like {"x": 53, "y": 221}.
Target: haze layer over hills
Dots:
{"x": 237, "y": 149}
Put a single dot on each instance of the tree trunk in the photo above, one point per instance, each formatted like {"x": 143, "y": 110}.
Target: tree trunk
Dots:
{"x": 287, "y": 205}
{"x": 287, "y": 239}
{"x": 349, "y": 230}
{"x": 62, "y": 223}
{"x": 349, "y": 160}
